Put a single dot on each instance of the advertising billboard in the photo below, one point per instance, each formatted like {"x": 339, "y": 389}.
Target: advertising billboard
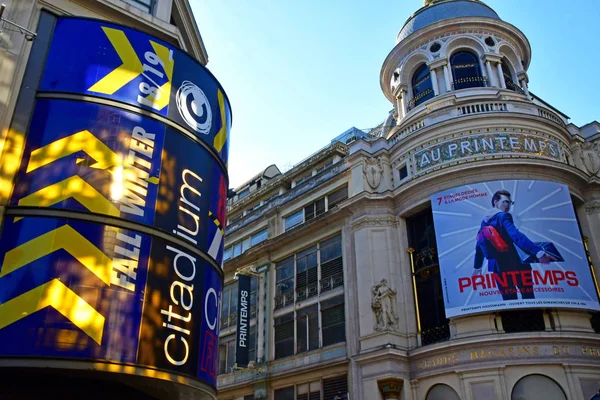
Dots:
{"x": 125, "y": 65}
{"x": 242, "y": 336}
{"x": 82, "y": 290}
{"x": 510, "y": 244}
{"x": 95, "y": 158}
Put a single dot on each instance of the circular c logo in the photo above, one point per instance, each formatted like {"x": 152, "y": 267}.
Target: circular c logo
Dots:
{"x": 194, "y": 107}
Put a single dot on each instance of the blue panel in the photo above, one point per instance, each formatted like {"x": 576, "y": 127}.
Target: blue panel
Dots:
{"x": 101, "y": 59}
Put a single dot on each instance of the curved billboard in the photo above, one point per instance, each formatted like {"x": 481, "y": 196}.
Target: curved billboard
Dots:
{"x": 95, "y": 158}
{"x": 130, "y": 135}
{"x": 97, "y": 58}
{"x": 510, "y": 244}
{"x": 77, "y": 289}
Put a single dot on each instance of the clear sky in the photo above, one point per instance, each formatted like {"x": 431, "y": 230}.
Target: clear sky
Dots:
{"x": 299, "y": 73}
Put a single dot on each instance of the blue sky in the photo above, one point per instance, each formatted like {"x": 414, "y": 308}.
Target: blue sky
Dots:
{"x": 298, "y": 73}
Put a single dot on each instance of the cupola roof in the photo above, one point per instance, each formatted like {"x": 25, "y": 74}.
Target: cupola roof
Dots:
{"x": 440, "y": 10}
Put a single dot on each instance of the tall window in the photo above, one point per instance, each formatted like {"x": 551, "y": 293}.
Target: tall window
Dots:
{"x": 308, "y": 335}
{"x": 316, "y": 208}
{"x": 466, "y": 70}
{"x": 508, "y": 79}
{"x": 422, "y": 88}
{"x": 227, "y": 350}
{"x": 434, "y": 325}
{"x": 229, "y": 305}
{"x": 299, "y": 273}
{"x": 335, "y": 388}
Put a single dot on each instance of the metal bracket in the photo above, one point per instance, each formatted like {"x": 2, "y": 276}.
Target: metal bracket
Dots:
{"x": 29, "y": 35}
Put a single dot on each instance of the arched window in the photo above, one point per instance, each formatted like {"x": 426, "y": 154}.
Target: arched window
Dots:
{"x": 537, "y": 387}
{"x": 442, "y": 392}
{"x": 466, "y": 70}
{"x": 508, "y": 79}
{"x": 421, "y": 86}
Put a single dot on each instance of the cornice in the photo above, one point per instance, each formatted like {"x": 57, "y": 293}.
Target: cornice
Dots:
{"x": 375, "y": 221}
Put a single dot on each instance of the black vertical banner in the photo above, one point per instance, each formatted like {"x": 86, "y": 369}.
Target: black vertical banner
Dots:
{"x": 243, "y": 322}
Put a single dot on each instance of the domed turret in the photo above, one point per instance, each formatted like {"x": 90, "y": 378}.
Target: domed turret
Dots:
{"x": 454, "y": 47}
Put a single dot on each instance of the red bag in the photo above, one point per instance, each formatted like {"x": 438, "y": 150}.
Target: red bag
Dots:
{"x": 491, "y": 235}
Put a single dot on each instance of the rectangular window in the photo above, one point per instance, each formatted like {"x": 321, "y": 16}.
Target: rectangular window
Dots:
{"x": 243, "y": 193}
{"x": 245, "y": 244}
{"x": 259, "y": 237}
{"x": 253, "y": 291}
{"x": 226, "y": 354}
{"x": 284, "y": 276}
{"x": 227, "y": 253}
{"x": 333, "y": 321}
{"x": 332, "y": 268}
{"x": 324, "y": 167}
{"x": 307, "y": 329}
{"x": 293, "y": 220}
{"x": 336, "y": 388}
{"x": 284, "y": 394}
{"x": 252, "y": 343}
{"x": 144, "y": 5}
{"x": 284, "y": 336}
{"x": 403, "y": 171}
{"x": 337, "y": 197}
{"x": 306, "y": 273}
{"x": 229, "y": 306}
{"x": 237, "y": 249}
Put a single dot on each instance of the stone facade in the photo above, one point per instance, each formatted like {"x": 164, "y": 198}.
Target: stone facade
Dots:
{"x": 390, "y": 173}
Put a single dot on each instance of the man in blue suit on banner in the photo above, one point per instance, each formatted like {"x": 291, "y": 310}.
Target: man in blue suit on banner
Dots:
{"x": 496, "y": 242}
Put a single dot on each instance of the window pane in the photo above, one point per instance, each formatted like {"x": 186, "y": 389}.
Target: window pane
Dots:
{"x": 234, "y": 299}
{"x": 421, "y": 86}
{"x": 313, "y": 331}
{"x": 337, "y": 197}
{"x": 227, "y": 253}
{"x": 320, "y": 206}
{"x": 223, "y": 359}
{"x": 237, "y": 249}
{"x": 285, "y": 393}
{"x": 466, "y": 71}
{"x": 243, "y": 194}
{"x": 309, "y": 212}
{"x": 294, "y": 219}
{"x": 333, "y": 325}
{"x": 252, "y": 344}
{"x": 225, "y": 304}
{"x": 284, "y": 336}
{"x": 337, "y": 386}
{"x": 259, "y": 237}
{"x": 285, "y": 269}
{"x": 301, "y": 332}
{"x": 245, "y": 244}
{"x": 331, "y": 248}
{"x": 230, "y": 355}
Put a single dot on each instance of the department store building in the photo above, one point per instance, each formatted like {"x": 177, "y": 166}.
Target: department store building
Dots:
{"x": 351, "y": 251}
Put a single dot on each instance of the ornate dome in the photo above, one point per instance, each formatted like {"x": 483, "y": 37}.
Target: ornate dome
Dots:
{"x": 440, "y": 10}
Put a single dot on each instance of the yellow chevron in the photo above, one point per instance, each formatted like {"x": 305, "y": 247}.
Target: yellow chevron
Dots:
{"x": 124, "y": 73}
{"x": 84, "y": 140}
{"x": 168, "y": 63}
{"x": 64, "y": 300}
{"x": 221, "y": 137}
{"x": 76, "y": 188}
{"x": 64, "y": 237}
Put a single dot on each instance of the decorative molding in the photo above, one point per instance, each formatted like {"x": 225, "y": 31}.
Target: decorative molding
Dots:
{"x": 373, "y": 171}
{"x": 592, "y": 207}
{"x": 391, "y": 388}
{"x": 387, "y": 220}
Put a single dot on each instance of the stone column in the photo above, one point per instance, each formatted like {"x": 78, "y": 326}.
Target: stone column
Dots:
{"x": 501, "y": 75}
{"x": 490, "y": 73}
{"x": 403, "y": 101}
{"x": 434, "y": 82}
{"x": 447, "y": 78}
{"x": 524, "y": 87}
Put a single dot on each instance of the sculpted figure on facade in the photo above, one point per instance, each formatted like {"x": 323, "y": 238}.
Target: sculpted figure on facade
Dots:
{"x": 373, "y": 171}
{"x": 590, "y": 155}
{"x": 383, "y": 305}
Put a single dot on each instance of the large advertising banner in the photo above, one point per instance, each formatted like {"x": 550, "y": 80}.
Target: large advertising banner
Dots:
{"x": 82, "y": 290}
{"x": 94, "y": 158}
{"x": 510, "y": 244}
{"x": 97, "y": 58}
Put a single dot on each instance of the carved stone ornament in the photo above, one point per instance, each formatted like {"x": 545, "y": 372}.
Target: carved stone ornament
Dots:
{"x": 385, "y": 220}
{"x": 373, "y": 171}
{"x": 592, "y": 207}
{"x": 383, "y": 304}
{"x": 590, "y": 157}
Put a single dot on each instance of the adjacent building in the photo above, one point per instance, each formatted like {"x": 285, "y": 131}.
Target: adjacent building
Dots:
{"x": 368, "y": 274}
